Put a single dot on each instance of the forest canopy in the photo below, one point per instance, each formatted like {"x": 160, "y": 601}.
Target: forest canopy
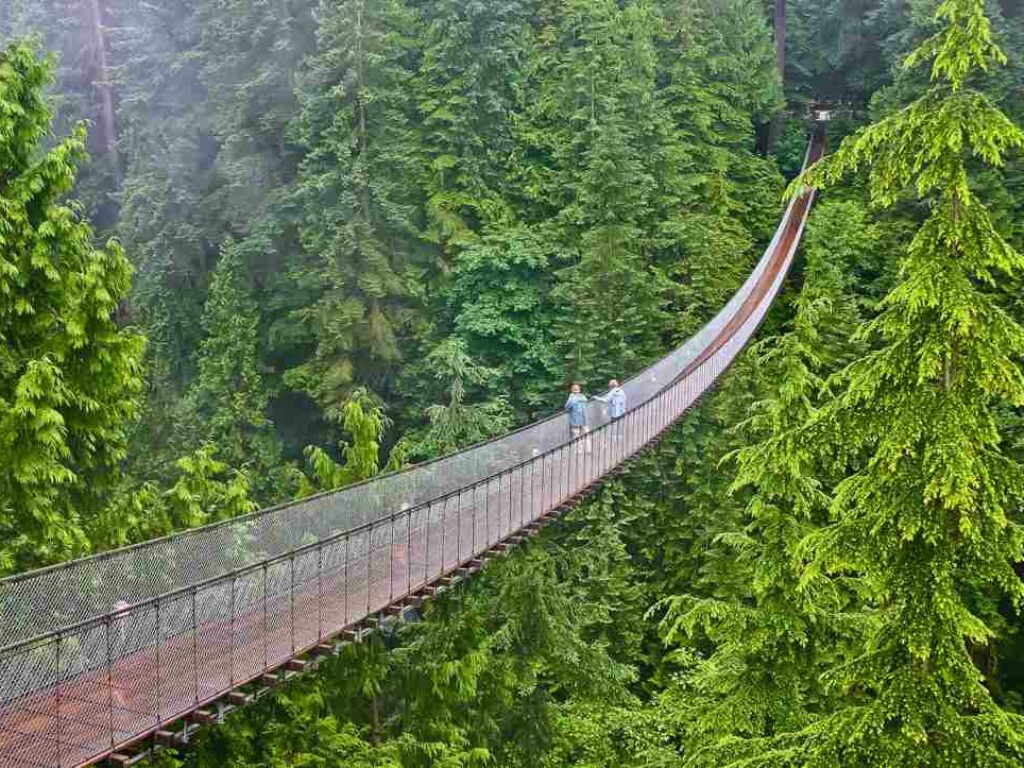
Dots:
{"x": 251, "y": 251}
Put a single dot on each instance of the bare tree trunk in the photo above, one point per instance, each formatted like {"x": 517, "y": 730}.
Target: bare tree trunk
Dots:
{"x": 364, "y": 136}
{"x": 775, "y": 130}
{"x": 780, "y": 38}
{"x": 103, "y": 81}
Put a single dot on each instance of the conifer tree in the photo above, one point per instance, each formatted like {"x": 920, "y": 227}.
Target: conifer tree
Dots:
{"x": 358, "y": 205}
{"x": 925, "y": 518}
{"x": 169, "y": 218}
{"x": 458, "y": 423}
{"x": 594, "y": 105}
{"x": 470, "y": 80}
{"x": 229, "y": 393}
{"x": 501, "y": 289}
{"x": 69, "y": 377}
{"x": 250, "y": 51}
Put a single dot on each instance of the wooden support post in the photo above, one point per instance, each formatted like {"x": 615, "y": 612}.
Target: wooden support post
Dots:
{"x": 169, "y": 738}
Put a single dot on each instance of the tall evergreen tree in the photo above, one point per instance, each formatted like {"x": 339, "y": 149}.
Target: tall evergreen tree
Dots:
{"x": 359, "y": 211}
{"x": 594, "y": 103}
{"x": 462, "y": 420}
{"x": 503, "y": 309}
{"x": 69, "y": 377}
{"x": 229, "y": 393}
{"x": 470, "y": 78}
{"x": 926, "y": 516}
{"x": 250, "y": 51}
{"x": 169, "y": 219}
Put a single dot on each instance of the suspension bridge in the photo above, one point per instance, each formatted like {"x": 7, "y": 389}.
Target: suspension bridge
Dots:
{"x": 105, "y": 657}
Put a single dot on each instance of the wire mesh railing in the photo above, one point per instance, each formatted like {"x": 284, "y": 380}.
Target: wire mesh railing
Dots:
{"x": 103, "y": 651}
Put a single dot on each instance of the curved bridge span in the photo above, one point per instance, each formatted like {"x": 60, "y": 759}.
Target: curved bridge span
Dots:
{"x": 101, "y": 653}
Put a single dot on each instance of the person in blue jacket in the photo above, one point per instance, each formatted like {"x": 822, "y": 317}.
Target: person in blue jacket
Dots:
{"x": 576, "y": 406}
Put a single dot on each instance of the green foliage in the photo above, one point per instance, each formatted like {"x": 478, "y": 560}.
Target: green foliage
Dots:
{"x": 229, "y": 393}
{"x": 355, "y": 198}
{"x": 457, "y": 423}
{"x": 69, "y": 377}
{"x": 923, "y": 518}
{"x": 204, "y": 490}
{"x": 363, "y": 418}
{"x": 501, "y": 287}
{"x": 773, "y": 631}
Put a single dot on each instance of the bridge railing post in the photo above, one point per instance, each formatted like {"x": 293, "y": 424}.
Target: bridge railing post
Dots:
{"x": 504, "y": 505}
{"x": 391, "y": 560}
{"x": 544, "y": 483}
{"x": 565, "y": 480}
{"x": 534, "y": 496}
{"x": 159, "y": 644}
{"x": 320, "y": 592}
{"x": 231, "y": 637}
{"x": 586, "y": 462}
{"x": 459, "y": 527}
{"x": 266, "y": 628}
{"x": 409, "y": 548}
{"x": 195, "y": 648}
{"x": 476, "y": 514}
{"x": 427, "y": 523}
{"x": 291, "y": 605}
{"x": 110, "y": 681}
{"x": 515, "y": 474}
{"x": 58, "y": 694}
{"x": 443, "y": 561}
{"x": 494, "y": 512}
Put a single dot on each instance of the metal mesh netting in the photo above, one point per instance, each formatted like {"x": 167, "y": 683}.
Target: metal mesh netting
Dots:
{"x": 131, "y": 639}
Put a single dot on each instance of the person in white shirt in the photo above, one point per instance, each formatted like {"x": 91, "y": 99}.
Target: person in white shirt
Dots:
{"x": 616, "y": 399}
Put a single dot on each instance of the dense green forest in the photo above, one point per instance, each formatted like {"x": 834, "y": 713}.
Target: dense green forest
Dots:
{"x": 257, "y": 249}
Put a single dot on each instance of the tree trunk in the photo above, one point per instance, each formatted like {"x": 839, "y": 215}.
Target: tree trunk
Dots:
{"x": 94, "y": 13}
{"x": 364, "y": 136}
{"x": 375, "y": 720}
{"x": 775, "y": 130}
{"x": 780, "y": 38}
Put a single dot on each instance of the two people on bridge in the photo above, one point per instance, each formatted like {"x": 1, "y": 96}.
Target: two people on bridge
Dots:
{"x": 576, "y": 406}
